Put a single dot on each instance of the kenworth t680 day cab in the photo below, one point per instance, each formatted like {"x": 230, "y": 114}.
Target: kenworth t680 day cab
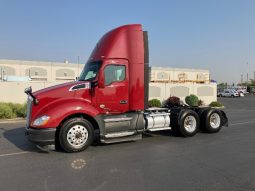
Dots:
{"x": 109, "y": 100}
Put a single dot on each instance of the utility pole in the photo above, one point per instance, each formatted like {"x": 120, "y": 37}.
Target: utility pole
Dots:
{"x": 241, "y": 78}
{"x": 254, "y": 76}
{"x": 247, "y": 77}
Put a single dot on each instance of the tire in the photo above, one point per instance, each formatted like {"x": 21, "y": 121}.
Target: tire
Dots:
{"x": 212, "y": 121}
{"x": 189, "y": 123}
{"x": 76, "y": 135}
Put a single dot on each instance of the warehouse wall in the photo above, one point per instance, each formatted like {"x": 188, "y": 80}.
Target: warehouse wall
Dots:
{"x": 14, "y": 91}
{"x": 205, "y": 92}
{"x": 40, "y": 71}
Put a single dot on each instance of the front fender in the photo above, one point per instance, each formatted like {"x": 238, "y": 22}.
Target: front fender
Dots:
{"x": 63, "y": 108}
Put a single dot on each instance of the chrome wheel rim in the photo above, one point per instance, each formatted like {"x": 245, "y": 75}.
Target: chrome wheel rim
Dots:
{"x": 190, "y": 124}
{"x": 77, "y": 136}
{"x": 215, "y": 120}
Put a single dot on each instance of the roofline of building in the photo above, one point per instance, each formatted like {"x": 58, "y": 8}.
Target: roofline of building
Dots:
{"x": 41, "y": 63}
{"x": 179, "y": 69}
{"x": 62, "y": 64}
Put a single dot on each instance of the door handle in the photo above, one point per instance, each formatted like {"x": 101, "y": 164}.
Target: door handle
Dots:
{"x": 123, "y": 102}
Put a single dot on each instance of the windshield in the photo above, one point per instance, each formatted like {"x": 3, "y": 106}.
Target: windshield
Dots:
{"x": 90, "y": 71}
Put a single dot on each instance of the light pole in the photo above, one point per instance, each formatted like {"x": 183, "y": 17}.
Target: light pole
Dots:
{"x": 1, "y": 74}
{"x": 246, "y": 70}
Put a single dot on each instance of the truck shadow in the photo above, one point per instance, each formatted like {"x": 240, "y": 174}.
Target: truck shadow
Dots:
{"x": 160, "y": 133}
{"x": 17, "y": 138}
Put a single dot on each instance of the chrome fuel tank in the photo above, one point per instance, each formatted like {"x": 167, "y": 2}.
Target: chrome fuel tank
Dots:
{"x": 157, "y": 120}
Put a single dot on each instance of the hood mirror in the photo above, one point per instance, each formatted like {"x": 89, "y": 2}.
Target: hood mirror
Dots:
{"x": 28, "y": 91}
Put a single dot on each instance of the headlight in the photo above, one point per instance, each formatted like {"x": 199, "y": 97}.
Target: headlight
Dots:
{"x": 43, "y": 120}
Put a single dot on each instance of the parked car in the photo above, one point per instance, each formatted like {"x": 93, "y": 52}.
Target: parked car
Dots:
{"x": 219, "y": 93}
{"x": 240, "y": 92}
{"x": 228, "y": 93}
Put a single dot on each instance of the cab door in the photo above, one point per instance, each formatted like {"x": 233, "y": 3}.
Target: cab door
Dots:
{"x": 112, "y": 96}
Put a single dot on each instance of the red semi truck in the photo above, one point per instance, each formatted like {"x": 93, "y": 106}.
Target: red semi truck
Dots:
{"x": 110, "y": 100}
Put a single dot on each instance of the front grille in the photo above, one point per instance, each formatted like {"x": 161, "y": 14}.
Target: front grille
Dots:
{"x": 29, "y": 106}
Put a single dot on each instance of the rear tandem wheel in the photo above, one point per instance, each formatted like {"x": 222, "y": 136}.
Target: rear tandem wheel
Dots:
{"x": 186, "y": 124}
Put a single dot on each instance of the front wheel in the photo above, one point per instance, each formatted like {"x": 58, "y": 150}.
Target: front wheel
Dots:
{"x": 76, "y": 135}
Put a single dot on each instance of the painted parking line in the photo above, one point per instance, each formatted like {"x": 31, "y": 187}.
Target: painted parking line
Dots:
{"x": 11, "y": 154}
{"x": 242, "y": 123}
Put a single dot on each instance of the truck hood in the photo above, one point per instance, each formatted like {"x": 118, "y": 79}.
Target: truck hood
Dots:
{"x": 66, "y": 91}
{"x": 56, "y": 91}
{"x": 53, "y": 96}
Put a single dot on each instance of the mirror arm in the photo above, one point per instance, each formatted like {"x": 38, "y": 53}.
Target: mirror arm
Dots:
{"x": 94, "y": 84}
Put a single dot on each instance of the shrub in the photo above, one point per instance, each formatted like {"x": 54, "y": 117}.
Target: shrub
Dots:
{"x": 172, "y": 101}
{"x": 20, "y": 110}
{"x": 12, "y": 110}
{"x": 201, "y": 102}
{"x": 12, "y": 106}
{"x": 154, "y": 103}
{"x": 6, "y": 111}
{"x": 192, "y": 100}
{"x": 215, "y": 104}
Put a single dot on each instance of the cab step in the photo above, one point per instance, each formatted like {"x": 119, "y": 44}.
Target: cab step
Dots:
{"x": 121, "y": 138}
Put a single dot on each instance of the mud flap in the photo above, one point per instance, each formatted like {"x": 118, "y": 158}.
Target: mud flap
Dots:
{"x": 224, "y": 118}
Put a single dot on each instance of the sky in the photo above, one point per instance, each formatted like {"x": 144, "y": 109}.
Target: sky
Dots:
{"x": 218, "y": 35}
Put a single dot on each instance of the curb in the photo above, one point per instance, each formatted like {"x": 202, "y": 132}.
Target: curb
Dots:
{"x": 223, "y": 107}
{"x": 16, "y": 120}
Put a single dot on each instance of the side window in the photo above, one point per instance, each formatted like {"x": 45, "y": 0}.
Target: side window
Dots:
{"x": 114, "y": 73}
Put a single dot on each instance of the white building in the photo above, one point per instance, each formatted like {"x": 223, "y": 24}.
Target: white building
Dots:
{"x": 164, "y": 82}
{"x": 40, "y": 71}
{"x": 180, "y": 82}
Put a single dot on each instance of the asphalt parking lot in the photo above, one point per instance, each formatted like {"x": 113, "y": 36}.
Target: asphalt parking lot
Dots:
{"x": 222, "y": 161}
